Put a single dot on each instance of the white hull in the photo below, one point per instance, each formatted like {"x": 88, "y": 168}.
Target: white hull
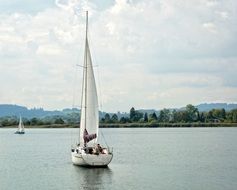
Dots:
{"x": 93, "y": 160}
{"x": 20, "y": 132}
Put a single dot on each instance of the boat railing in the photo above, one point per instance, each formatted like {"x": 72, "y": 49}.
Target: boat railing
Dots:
{"x": 110, "y": 150}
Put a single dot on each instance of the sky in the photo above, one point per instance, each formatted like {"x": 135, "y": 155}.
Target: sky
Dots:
{"x": 148, "y": 54}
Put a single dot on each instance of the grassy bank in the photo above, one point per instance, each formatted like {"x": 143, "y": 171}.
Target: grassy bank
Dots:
{"x": 136, "y": 125}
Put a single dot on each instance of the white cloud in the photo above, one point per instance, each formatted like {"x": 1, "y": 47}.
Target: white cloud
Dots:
{"x": 210, "y": 27}
{"x": 151, "y": 53}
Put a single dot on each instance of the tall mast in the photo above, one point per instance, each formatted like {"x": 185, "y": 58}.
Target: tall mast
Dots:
{"x": 86, "y": 46}
{"x": 86, "y": 23}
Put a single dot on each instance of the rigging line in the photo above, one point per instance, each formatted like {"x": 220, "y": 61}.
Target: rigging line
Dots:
{"x": 100, "y": 94}
{"x": 82, "y": 95}
{"x": 74, "y": 88}
{"x": 80, "y": 65}
{"x": 86, "y": 66}
{"x": 73, "y": 99}
{"x": 103, "y": 138}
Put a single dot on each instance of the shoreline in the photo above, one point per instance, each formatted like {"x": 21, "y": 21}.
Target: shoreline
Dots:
{"x": 135, "y": 125}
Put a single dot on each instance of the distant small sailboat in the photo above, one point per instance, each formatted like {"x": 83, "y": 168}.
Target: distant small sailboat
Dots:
{"x": 88, "y": 152}
{"x": 21, "y": 129}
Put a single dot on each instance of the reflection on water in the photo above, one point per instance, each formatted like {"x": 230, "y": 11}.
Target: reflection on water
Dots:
{"x": 93, "y": 178}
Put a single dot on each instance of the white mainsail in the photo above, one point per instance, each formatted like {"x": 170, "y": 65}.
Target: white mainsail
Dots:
{"x": 89, "y": 104}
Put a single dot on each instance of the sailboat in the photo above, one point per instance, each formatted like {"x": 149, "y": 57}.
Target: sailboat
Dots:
{"x": 20, "y": 129}
{"x": 88, "y": 152}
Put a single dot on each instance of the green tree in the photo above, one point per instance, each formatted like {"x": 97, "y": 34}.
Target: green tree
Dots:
{"x": 34, "y": 121}
{"x": 114, "y": 118}
{"x": 192, "y": 113}
{"x": 135, "y": 115}
{"x": 174, "y": 115}
{"x": 132, "y": 113}
{"x": 153, "y": 117}
{"x": 164, "y": 116}
{"x": 234, "y": 115}
{"x": 145, "y": 118}
{"x": 210, "y": 115}
{"x": 59, "y": 121}
{"x": 202, "y": 117}
{"x": 107, "y": 118}
{"x": 5, "y": 122}
{"x": 26, "y": 121}
{"x": 124, "y": 120}
{"x": 219, "y": 114}
{"x": 181, "y": 116}
{"x": 102, "y": 120}
{"x": 138, "y": 116}
{"x": 223, "y": 113}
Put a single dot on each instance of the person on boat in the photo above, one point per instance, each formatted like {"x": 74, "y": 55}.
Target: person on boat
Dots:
{"x": 99, "y": 148}
{"x": 95, "y": 150}
{"x": 88, "y": 137}
{"x": 104, "y": 151}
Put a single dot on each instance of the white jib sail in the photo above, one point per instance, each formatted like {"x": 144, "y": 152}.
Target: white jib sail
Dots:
{"x": 89, "y": 105}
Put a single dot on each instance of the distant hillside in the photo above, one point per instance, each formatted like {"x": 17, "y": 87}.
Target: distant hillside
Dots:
{"x": 11, "y": 110}
{"x": 148, "y": 111}
{"x": 16, "y": 110}
{"x": 208, "y": 107}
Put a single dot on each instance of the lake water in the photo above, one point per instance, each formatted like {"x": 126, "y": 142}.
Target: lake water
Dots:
{"x": 165, "y": 159}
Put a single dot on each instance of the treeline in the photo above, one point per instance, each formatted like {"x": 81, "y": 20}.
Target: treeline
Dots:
{"x": 188, "y": 115}
{"x": 69, "y": 119}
